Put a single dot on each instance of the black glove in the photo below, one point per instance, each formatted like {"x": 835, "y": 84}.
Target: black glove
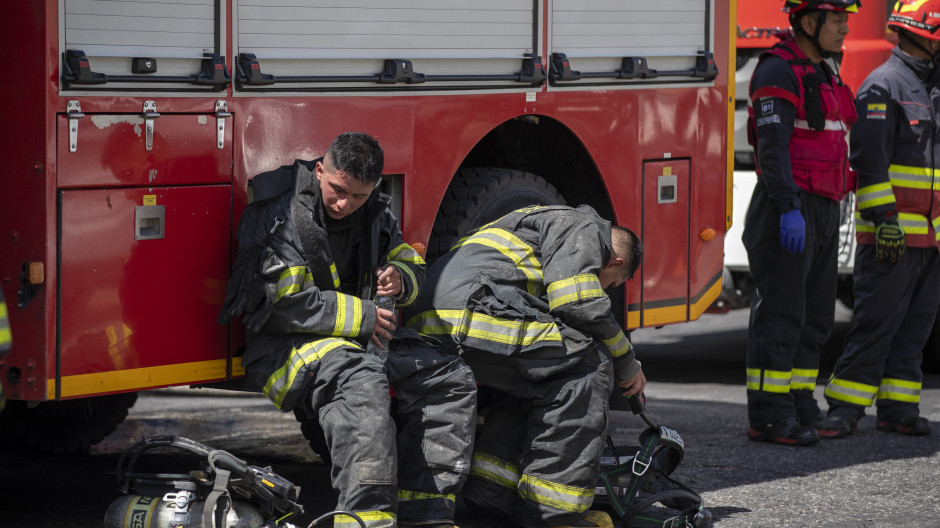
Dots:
{"x": 889, "y": 241}
{"x": 244, "y": 293}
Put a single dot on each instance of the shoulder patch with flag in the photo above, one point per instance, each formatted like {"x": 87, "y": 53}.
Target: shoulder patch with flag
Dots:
{"x": 876, "y": 110}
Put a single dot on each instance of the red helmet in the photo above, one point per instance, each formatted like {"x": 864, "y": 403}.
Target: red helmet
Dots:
{"x": 794, "y": 6}
{"x": 920, "y": 17}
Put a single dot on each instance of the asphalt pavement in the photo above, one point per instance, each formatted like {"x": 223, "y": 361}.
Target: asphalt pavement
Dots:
{"x": 696, "y": 371}
{"x": 870, "y": 479}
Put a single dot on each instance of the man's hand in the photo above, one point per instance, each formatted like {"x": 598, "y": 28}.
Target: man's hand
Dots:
{"x": 634, "y": 385}
{"x": 389, "y": 281}
{"x": 792, "y": 231}
{"x": 384, "y": 325}
{"x": 889, "y": 242}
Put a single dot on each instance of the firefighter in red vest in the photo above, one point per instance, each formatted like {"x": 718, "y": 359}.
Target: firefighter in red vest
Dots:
{"x": 895, "y": 148}
{"x": 799, "y": 119}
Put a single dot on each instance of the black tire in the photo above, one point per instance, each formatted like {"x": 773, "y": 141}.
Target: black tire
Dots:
{"x": 66, "y": 426}
{"x": 479, "y": 195}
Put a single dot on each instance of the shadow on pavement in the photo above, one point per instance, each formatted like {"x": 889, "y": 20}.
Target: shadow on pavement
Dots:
{"x": 719, "y": 455}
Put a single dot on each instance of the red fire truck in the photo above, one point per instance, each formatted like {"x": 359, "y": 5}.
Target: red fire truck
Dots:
{"x": 134, "y": 129}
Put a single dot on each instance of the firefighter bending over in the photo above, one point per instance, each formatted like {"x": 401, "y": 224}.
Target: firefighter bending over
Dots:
{"x": 799, "y": 119}
{"x": 522, "y": 301}
{"x": 894, "y": 149}
{"x": 315, "y": 247}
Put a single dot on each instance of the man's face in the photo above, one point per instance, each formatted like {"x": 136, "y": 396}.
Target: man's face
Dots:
{"x": 833, "y": 31}
{"x": 342, "y": 194}
{"x": 932, "y": 45}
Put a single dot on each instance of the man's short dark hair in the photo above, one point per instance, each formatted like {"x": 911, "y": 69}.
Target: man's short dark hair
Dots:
{"x": 358, "y": 155}
{"x": 627, "y": 246}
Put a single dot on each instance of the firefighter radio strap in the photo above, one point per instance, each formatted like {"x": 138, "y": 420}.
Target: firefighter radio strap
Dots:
{"x": 633, "y": 479}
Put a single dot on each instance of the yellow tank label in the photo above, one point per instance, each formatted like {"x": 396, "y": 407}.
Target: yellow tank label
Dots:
{"x": 140, "y": 512}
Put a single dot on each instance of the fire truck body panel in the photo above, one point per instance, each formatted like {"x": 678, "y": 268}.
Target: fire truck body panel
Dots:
{"x": 136, "y": 236}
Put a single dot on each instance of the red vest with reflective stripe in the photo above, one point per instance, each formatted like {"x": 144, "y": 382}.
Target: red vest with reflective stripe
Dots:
{"x": 819, "y": 159}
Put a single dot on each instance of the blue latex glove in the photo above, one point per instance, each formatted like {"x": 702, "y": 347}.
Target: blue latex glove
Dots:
{"x": 792, "y": 231}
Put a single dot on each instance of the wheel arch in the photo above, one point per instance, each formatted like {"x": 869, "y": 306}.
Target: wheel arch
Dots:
{"x": 545, "y": 146}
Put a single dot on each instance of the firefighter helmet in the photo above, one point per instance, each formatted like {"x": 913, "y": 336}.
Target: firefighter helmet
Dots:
{"x": 794, "y": 6}
{"x": 920, "y": 17}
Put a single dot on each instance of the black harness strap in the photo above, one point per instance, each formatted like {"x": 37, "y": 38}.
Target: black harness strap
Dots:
{"x": 636, "y": 482}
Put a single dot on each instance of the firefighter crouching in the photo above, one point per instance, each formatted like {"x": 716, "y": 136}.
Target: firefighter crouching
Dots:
{"x": 522, "y": 301}
{"x": 315, "y": 247}
{"x": 897, "y": 267}
{"x": 799, "y": 119}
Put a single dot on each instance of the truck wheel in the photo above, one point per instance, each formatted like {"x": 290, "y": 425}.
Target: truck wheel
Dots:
{"x": 66, "y": 426}
{"x": 931, "y": 361}
{"x": 479, "y": 195}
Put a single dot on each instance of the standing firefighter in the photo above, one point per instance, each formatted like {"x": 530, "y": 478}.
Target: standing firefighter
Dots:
{"x": 895, "y": 148}
{"x": 315, "y": 247}
{"x": 522, "y": 301}
{"x": 800, "y": 117}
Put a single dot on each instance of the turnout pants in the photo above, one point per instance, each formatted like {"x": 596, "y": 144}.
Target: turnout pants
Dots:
{"x": 536, "y": 458}
{"x": 437, "y": 401}
{"x": 348, "y": 391}
{"x": 895, "y": 308}
{"x": 793, "y": 309}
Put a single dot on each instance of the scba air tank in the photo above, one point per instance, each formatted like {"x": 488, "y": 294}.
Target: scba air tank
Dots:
{"x": 135, "y": 511}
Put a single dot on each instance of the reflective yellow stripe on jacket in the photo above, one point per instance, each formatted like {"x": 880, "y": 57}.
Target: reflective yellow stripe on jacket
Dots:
{"x": 462, "y": 324}
{"x": 574, "y": 289}
{"x": 905, "y": 180}
{"x": 921, "y": 178}
{"x": 618, "y": 345}
{"x": 913, "y": 224}
{"x": 348, "y": 315}
{"x": 403, "y": 257}
{"x": 874, "y": 195}
{"x": 406, "y": 253}
{"x": 513, "y": 248}
{"x": 282, "y": 379}
{"x": 296, "y": 279}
